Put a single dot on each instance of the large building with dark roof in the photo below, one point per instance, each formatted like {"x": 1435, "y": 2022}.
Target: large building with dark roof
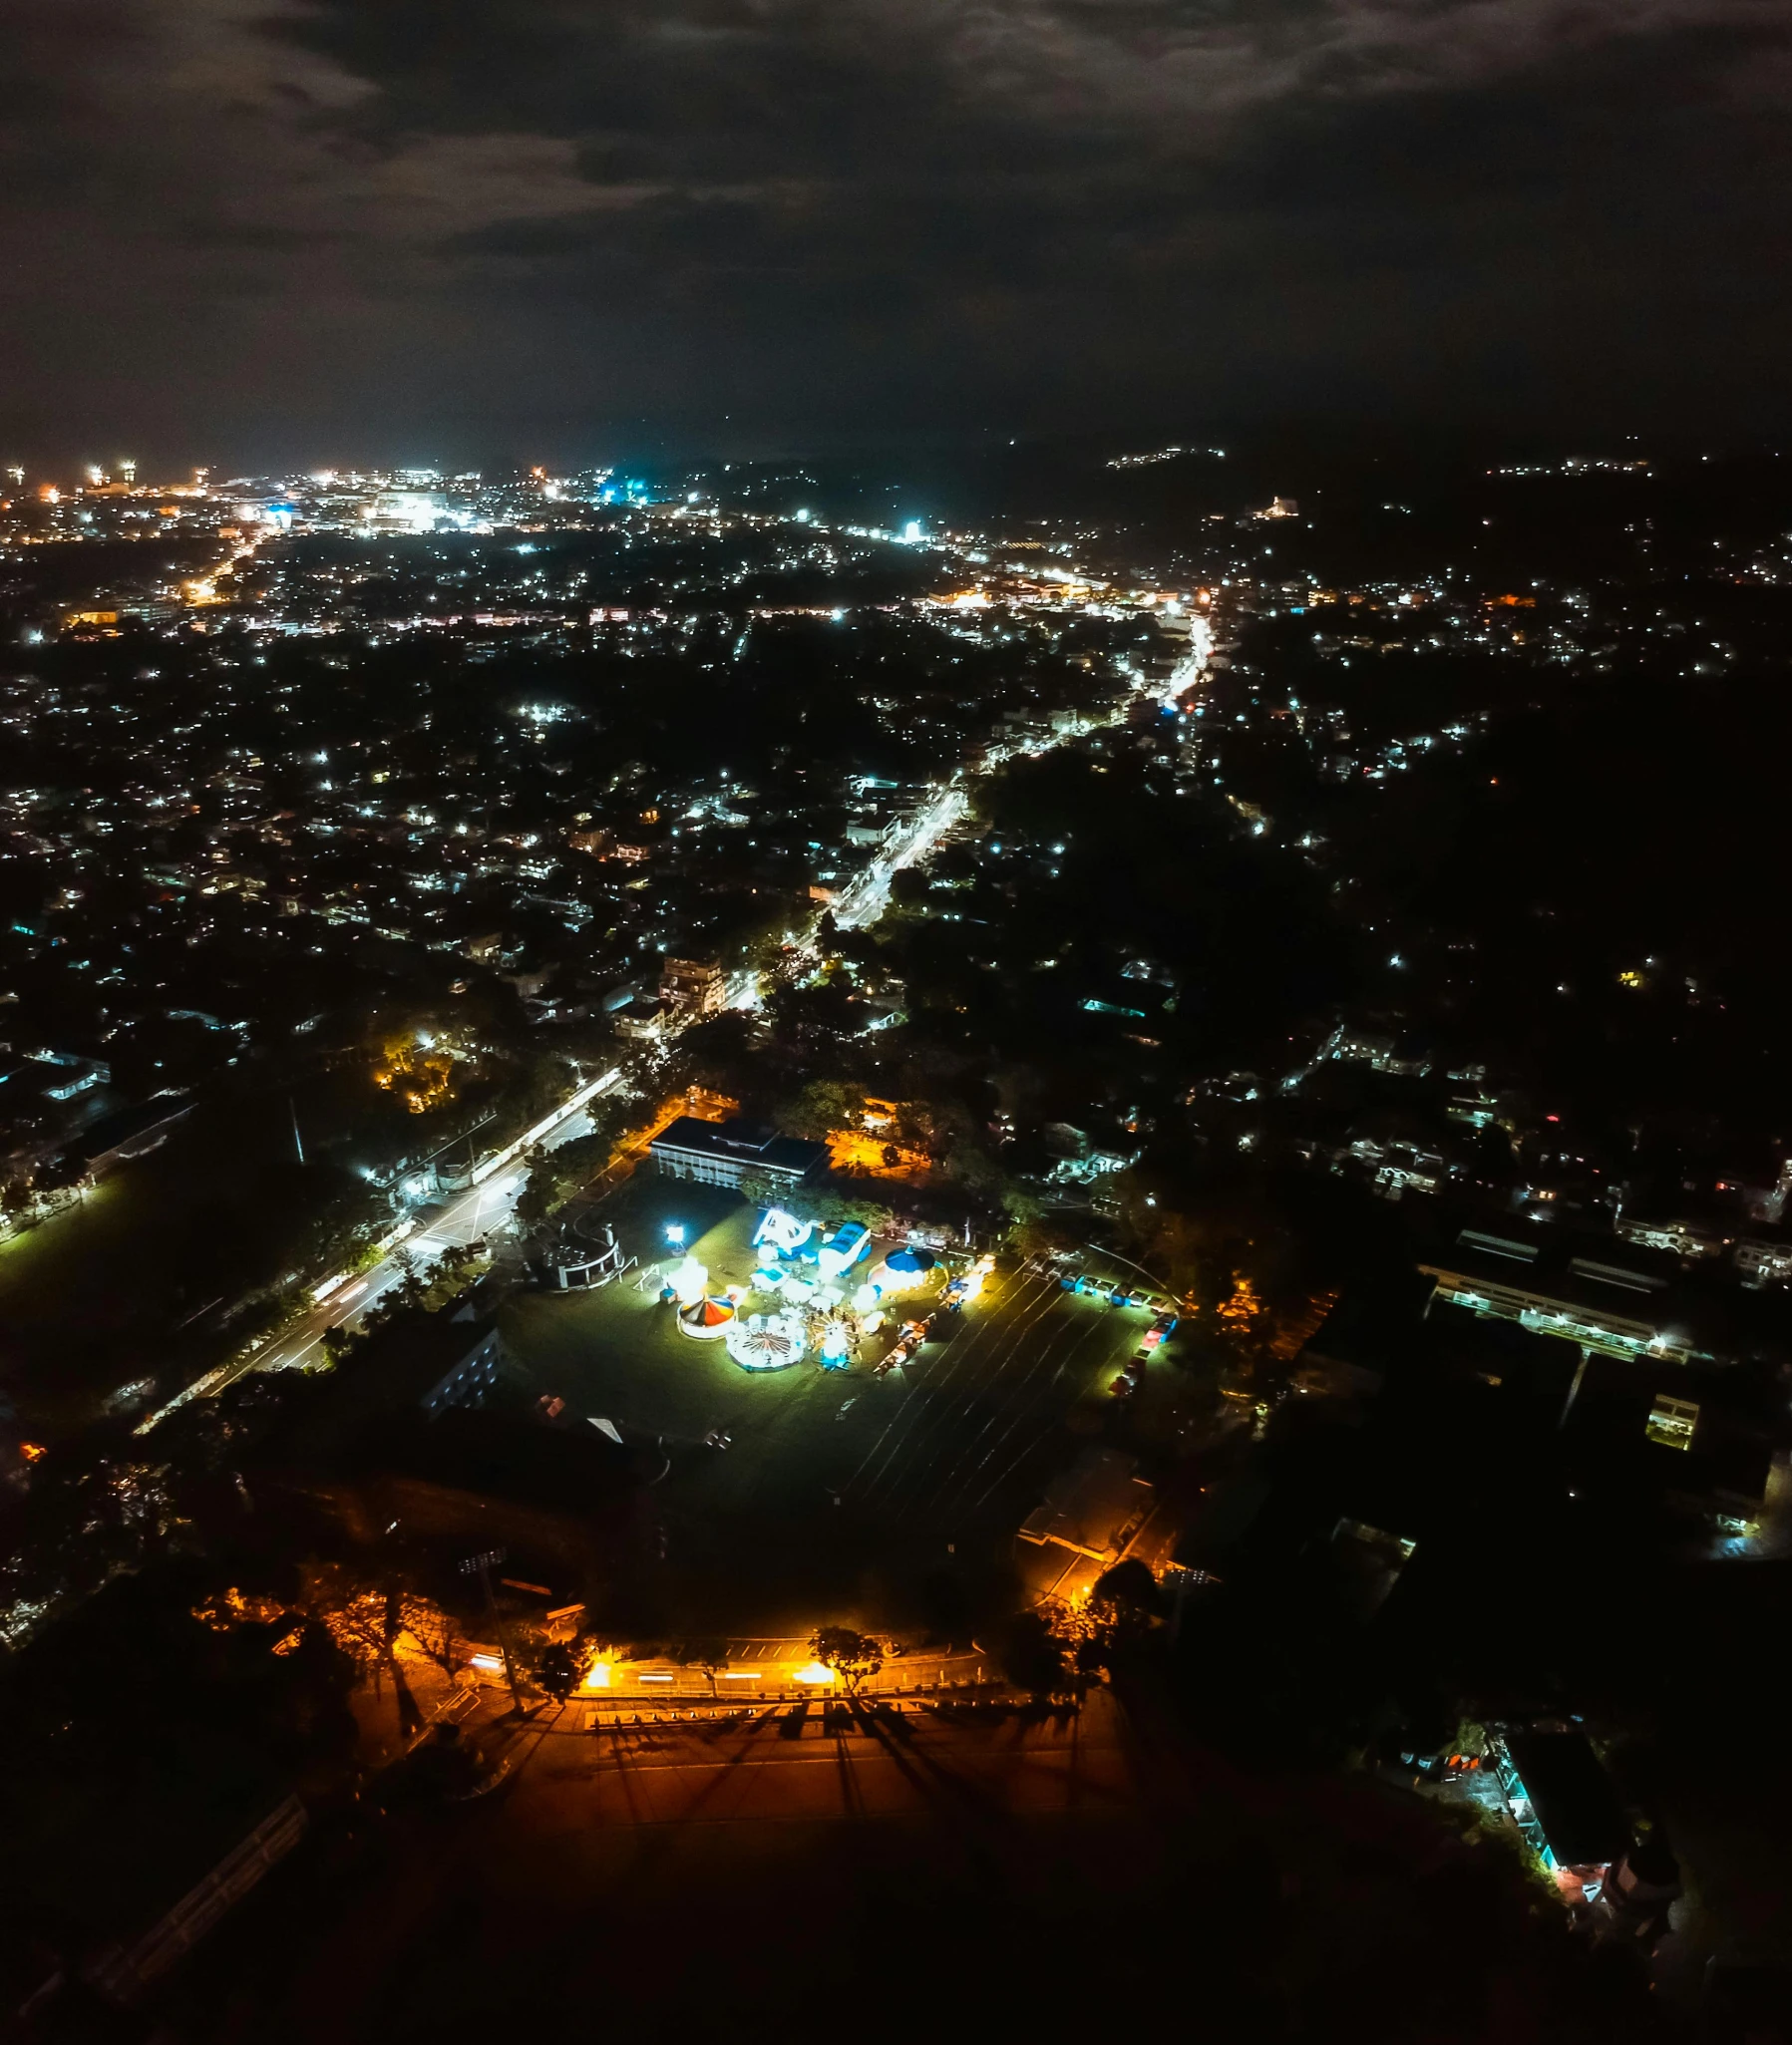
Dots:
{"x": 722, "y": 1153}
{"x": 418, "y": 1367}
{"x": 426, "y": 1429}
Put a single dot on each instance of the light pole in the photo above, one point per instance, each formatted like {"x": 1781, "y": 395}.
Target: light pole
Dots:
{"x": 480, "y": 1566}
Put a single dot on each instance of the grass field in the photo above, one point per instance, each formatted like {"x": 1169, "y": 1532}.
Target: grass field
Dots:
{"x": 116, "y": 1302}
{"x": 892, "y": 1501}
{"x": 92, "y": 1300}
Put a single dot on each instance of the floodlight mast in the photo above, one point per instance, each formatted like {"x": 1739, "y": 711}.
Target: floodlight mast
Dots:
{"x": 480, "y": 1566}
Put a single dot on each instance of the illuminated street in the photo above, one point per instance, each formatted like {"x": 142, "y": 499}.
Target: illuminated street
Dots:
{"x": 864, "y": 902}
{"x": 825, "y": 1762}
{"x": 750, "y": 1672}
{"x": 713, "y": 1821}
{"x": 483, "y": 1211}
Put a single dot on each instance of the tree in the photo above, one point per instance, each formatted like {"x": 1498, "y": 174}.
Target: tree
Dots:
{"x": 832, "y": 1208}
{"x": 1118, "y": 1613}
{"x": 1037, "y": 1236}
{"x": 818, "y": 1203}
{"x": 908, "y": 887}
{"x": 540, "y": 1195}
{"x": 822, "y": 1106}
{"x": 1078, "y": 1632}
{"x": 438, "y": 1635}
{"x": 1030, "y": 1653}
{"x": 363, "y": 1620}
{"x": 555, "y": 1672}
{"x": 763, "y": 1189}
{"x": 368, "y": 1615}
{"x": 719, "y": 1053}
{"x": 711, "y": 1656}
{"x": 1179, "y": 1248}
{"x": 360, "y": 1614}
{"x": 969, "y": 1162}
{"x": 853, "y": 1657}
{"x": 1126, "y": 1602}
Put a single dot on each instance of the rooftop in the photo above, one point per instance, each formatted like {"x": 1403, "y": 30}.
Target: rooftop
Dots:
{"x": 388, "y": 1375}
{"x": 1597, "y": 1289}
{"x": 748, "y": 1144}
{"x": 1574, "y": 1800}
{"x": 1090, "y": 1504}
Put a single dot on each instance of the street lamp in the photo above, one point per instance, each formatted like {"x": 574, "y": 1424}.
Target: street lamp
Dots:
{"x": 675, "y": 1232}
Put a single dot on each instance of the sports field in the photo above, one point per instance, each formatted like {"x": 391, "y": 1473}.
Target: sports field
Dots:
{"x": 840, "y": 1494}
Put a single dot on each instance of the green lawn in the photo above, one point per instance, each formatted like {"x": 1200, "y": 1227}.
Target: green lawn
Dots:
{"x": 617, "y": 1351}
{"x": 90, "y": 1302}
{"x": 119, "y": 1300}
{"x": 890, "y": 1501}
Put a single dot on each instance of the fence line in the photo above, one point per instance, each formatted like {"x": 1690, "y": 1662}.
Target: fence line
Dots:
{"x": 124, "y": 1975}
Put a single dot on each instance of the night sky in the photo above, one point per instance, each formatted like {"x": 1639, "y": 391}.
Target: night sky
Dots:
{"x": 270, "y": 229}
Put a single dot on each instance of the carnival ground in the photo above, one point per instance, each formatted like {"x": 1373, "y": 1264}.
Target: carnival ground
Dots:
{"x": 893, "y": 1500}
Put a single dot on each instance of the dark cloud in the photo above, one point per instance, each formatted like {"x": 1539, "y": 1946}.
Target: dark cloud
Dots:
{"x": 335, "y": 226}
